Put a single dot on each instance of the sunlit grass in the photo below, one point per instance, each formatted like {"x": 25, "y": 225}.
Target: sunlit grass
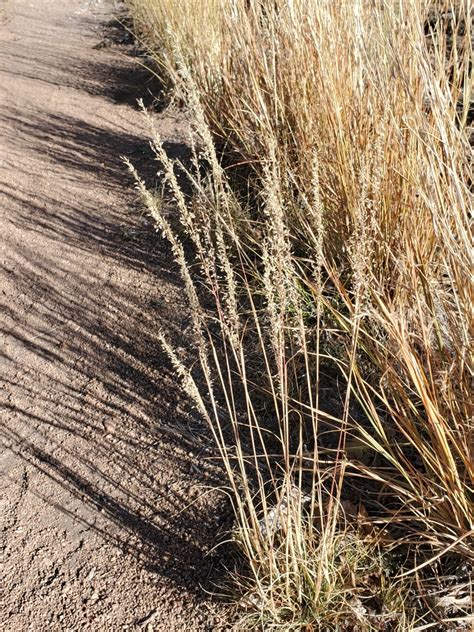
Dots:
{"x": 336, "y": 366}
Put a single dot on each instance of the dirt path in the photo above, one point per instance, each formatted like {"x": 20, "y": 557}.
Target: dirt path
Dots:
{"x": 105, "y": 525}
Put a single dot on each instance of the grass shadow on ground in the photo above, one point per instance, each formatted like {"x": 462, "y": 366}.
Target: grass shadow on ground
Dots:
{"x": 105, "y": 380}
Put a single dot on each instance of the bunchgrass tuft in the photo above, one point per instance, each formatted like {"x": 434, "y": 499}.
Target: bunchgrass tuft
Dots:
{"x": 331, "y": 302}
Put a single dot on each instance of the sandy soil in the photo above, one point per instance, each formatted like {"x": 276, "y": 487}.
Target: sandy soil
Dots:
{"x": 105, "y": 518}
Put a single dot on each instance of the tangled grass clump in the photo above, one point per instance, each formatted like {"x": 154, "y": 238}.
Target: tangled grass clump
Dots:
{"x": 336, "y": 363}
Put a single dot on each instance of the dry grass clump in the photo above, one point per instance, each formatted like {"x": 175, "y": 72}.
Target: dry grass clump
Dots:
{"x": 336, "y": 366}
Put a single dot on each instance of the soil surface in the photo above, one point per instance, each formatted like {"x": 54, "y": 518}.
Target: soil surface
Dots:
{"x": 107, "y": 518}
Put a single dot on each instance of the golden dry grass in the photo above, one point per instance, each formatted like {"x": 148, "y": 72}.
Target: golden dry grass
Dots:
{"x": 346, "y": 267}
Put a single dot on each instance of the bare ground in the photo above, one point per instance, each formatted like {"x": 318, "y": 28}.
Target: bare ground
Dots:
{"x": 106, "y": 522}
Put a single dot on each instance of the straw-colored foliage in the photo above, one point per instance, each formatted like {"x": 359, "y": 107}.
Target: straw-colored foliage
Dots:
{"x": 336, "y": 364}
